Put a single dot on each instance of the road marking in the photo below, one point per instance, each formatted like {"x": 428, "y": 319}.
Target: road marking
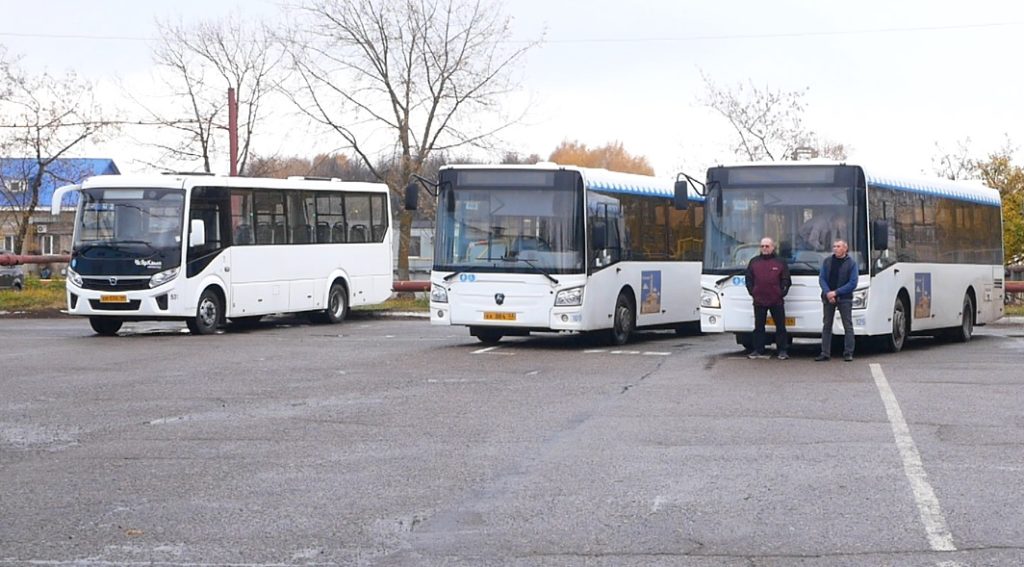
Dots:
{"x": 487, "y": 349}
{"x": 939, "y": 536}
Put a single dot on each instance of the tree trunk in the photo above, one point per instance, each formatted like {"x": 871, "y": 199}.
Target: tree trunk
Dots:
{"x": 404, "y": 235}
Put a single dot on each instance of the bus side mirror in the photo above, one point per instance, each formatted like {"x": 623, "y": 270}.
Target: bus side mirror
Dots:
{"x": 412, "y": 196}
{"x": 682, "y": 199}
{"x": 197, "y": 234}
{"x": 880, "y": 234}
{"x": 597, "y": 236}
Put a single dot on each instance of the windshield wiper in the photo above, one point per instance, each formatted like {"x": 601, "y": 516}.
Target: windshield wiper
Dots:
{"x": 449, "y": 277}
{"x": 143, "y": 242}
{"x": 719, "y": 281}
{"x": 536, "y": 268}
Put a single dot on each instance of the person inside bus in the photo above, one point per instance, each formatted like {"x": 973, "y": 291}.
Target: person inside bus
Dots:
{"x": 837, "y": 278}
{"x": 821, "y": 230}
{"x": 768, "y": 282}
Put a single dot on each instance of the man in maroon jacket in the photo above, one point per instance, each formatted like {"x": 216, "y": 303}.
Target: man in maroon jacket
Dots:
{"x": 768, "y": 283}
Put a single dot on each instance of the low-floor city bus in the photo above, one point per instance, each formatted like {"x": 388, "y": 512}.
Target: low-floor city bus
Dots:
{"x": 559, "y": 248}
{"x": 929, "y": 250}
{"x": 206, "y": 249}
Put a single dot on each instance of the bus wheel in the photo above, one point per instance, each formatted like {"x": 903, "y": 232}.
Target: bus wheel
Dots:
{"x": 337, "y": 304}
{"x": 963, "y": 333}
{"x": 900, "y": 327}
{"x": 208, "y": 314}
{"x": 105, "y": 326}
{"x": 487, "y": 336}
{"x": 624, "y": 321}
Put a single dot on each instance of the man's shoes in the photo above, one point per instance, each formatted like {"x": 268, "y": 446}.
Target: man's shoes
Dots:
{"x": 754, "y": 355}
{"x": 821, "y": 358}
{"x": 783, "y": 355}
{"x": 848, "y": 357}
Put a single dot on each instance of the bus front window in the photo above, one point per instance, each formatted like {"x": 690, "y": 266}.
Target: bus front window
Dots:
{"x": 803, "y": 221}
{"x": 503, "y": 229}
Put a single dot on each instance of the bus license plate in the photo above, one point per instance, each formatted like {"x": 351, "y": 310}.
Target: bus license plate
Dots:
{"x": 119, "y": 298}
{"x": 497, "y": 316}
{"x": 790, "y": 322}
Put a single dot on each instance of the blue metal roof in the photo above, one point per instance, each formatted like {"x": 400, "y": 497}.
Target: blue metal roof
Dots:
{"x": 62, "y": 171}
{"x": 959, "y": 190}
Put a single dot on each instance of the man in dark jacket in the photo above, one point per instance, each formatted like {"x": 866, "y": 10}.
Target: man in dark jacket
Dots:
{"x": 768, "y": 283}
{"x": 838, "y": 279}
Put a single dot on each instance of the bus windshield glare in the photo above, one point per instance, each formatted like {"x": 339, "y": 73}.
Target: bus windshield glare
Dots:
{"x": 509, "y": 229}
{"x": 803, "y": 220}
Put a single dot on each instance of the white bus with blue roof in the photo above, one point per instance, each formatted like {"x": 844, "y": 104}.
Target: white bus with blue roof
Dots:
{"x": 530, "y": 248}
{"x": 929, "y": 251}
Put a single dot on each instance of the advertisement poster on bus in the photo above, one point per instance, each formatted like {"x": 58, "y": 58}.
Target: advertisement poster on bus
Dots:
{"x": 650, "y": 292}
{"x": 922, "y": 295}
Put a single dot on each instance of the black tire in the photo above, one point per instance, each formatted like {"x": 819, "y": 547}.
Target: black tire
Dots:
{"x": 624, "y": 321}
{"x": 965, "y": 331}
{"x": 105, "y": 326}
{"x": 337, "y": 306}
{"x": 745, "y": 340}
{"x": 209, "y": 313}
{"x": 894, "y": 341}
{"x": 488, "y": 336}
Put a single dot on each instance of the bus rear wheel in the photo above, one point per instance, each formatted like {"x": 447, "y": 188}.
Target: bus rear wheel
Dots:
{"x": 623, "y": 322}
{"x": 894, "y": 341}
{"x": 208, "y": 314}
{"x": 965, "y": 331}
{"x": 105, "y": 326}
{"x": 337, "y": 306}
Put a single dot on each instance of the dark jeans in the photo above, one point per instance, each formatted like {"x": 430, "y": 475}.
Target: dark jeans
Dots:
{"x": 846, "y": 314}
{"x": 760, "y": 317}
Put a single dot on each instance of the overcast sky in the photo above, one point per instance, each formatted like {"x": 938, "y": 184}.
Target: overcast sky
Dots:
{"x": 887, "y": 79}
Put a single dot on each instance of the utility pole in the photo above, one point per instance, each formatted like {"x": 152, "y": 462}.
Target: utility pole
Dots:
{"x": 233, "y": 130}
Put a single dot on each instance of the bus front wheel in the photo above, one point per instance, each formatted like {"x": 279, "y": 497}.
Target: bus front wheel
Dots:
{"x": 487, "y": 336}
{"x": 208, "y": 314}
{"x": 105, "y": 326}
{"x": 623, "y": 321}
{"x": 894, "y": 341}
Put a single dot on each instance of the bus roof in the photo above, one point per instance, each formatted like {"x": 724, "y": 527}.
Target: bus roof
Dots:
{"x": 186, "y": 181}
{"x": 968, "y": 190}
{"x": 599, "y": 179}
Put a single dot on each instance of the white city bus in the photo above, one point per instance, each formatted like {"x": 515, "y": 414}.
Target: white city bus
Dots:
{"x": 929, "y": 251}
{"x": 558, "y": 248}
{"x": 204, "y": 248}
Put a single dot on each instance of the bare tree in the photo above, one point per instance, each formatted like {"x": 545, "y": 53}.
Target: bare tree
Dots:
{"x": 42, "y": 119}
{"x": 957, "y": 163}
{"x": 768, "y": 123}
{"x": 404, "y": 78}
{"x": 202, "y": 62}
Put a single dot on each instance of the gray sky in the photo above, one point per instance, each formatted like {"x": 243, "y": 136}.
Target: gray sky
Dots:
{"x": 888, "y": 79}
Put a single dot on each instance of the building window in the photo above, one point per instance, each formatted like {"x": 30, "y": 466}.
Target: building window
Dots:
{"x": 16, "y": 186}
{"x": 415, "y": 244}
{"x": 46, "y": 244}
{"x": 9, "y": 243}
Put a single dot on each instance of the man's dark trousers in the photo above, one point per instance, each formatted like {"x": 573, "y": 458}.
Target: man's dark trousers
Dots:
{"x": 760, "y": 317}
{"x": 846, "y": 314}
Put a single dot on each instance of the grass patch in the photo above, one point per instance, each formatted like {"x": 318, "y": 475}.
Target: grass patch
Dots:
{"x": 38, "y": 295}
{"x": 1014, "y": 310}
{"x": 399, "y": 303}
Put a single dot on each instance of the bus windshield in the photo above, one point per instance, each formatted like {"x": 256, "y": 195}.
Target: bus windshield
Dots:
{"x": 130, "y": 223}
{"x": 803, "y": 221}
{"x": 510, "y": 229}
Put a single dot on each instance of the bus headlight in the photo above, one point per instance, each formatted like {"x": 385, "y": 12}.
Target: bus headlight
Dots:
{"x": 710, "y": 299}
{"x": 569, "y": 297}
{"x": 438, "y": 294}
{"x": 860, "y": 299}
{"x": 74, "y": 278}
{"x": 163, "y": 277}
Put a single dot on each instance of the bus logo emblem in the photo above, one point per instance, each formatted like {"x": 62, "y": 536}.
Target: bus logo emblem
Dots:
{"x": 113, "y": 281}
{"x": 499, "y": 298}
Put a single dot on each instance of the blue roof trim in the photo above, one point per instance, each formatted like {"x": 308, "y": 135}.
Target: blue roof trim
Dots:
{"x": 950, "y": 190}
{"x": 631, "y": 184}
{"x": 60, "y": 172}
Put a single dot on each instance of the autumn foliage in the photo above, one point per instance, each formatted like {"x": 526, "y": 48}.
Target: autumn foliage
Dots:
{"x": 612, "y": 157}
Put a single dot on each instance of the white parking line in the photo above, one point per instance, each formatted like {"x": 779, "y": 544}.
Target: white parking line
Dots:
{"x": 487, "y": 349}
{"x": 939, "y": 536}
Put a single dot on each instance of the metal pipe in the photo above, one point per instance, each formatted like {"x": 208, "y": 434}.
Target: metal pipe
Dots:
{"x": 16, "y": 259}
{"x": 418, "y": 285}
